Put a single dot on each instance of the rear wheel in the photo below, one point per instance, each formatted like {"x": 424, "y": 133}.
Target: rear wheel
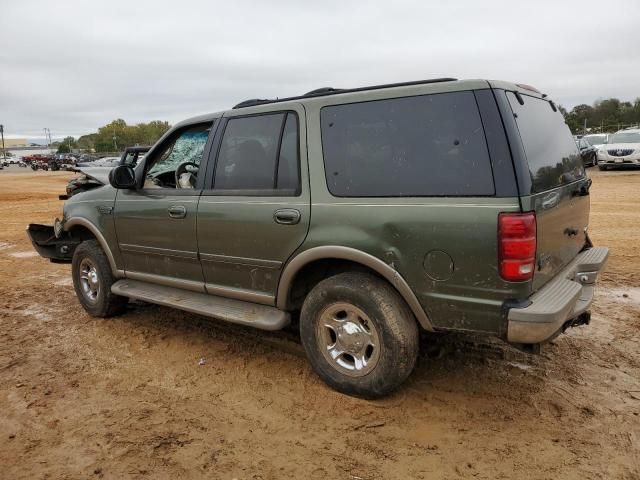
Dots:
{"x": 602, "y": 167}
{"x": 92, "y": 280}
{"x": 359, "y": 335}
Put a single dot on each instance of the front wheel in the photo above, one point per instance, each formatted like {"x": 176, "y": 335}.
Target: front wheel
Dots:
{"x": 92, "y": 280}
{"x": 360, "y": 336}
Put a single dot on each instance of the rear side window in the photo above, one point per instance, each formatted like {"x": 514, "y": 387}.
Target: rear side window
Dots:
{"x": 430, "y": 145}
{"x": 551, "y": 152}
{"x": 259, "y": 152}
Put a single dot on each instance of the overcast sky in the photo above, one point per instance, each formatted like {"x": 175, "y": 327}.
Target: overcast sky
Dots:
{"x": 73, "y": 66}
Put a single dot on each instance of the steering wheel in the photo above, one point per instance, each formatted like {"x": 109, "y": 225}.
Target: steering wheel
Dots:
{"x": 182, "y": 168}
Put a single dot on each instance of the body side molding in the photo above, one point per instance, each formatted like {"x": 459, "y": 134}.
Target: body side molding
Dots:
{"x": 358, "y": 256}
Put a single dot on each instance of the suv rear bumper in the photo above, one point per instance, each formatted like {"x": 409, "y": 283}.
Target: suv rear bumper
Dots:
{"x": 559, "y": 302}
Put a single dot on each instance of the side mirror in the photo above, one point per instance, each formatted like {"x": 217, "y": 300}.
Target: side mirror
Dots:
{"x": 122, "y": 177}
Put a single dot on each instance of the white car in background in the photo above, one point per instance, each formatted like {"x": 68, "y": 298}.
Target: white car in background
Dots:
{"x": 623, "y": 150}
{"x": 597, "y": 140}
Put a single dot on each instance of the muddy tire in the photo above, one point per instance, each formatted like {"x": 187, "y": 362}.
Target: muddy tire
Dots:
{"x": 360, "y": 336}
{"x": 92, "y": 280}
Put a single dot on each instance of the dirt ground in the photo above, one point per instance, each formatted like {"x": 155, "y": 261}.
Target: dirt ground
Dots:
{"x": 127, "y": 397}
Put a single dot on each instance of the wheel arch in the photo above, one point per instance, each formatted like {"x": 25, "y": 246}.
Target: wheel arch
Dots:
{"x": 324, "y": 253}
{"x": 83, "y": 227}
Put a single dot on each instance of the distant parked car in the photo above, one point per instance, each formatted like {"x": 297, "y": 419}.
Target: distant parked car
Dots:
{"x": 597, "y": 139}
{"x": 587, "y": 152}
{"x": 101, "y": 162}
{"x": 623, "y": 150}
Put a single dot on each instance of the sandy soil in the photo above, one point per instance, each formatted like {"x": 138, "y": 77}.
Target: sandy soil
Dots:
{"x": 126, "y": 397}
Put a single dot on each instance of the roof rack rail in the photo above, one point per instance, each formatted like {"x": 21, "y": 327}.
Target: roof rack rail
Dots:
{"x": 252, "y": 102}
{"x": 321, "y": 92}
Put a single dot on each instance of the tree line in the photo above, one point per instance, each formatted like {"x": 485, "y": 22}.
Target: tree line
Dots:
{"x": 603, "y": 116}
{"x": 115, "y": 136}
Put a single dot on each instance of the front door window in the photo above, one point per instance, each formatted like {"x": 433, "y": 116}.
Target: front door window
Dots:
{"x": 177, "y": 165}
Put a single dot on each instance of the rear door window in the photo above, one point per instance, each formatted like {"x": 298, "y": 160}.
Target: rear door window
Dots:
{"x": 429, "y": 145}
{"x": 551, "y": 152}
{"x": 259, "y": 153}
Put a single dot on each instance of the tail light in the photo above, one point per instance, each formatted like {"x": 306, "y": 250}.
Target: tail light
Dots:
{"x": 517, "y": 246}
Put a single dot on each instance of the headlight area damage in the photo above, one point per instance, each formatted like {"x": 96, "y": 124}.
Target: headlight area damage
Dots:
{"x": 52, "y": 242}
{"x": 89, "y": 178}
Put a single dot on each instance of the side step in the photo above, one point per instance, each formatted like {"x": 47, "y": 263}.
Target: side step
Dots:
{"x": 234, "y": 311}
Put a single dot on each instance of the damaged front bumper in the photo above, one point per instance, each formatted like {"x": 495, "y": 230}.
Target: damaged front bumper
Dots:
{"x": 51, "y": 242}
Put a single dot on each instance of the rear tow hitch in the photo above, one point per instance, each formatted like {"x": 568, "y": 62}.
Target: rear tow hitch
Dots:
{"x": 582, "y": 319}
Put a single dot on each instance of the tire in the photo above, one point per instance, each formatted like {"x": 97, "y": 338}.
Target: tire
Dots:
{"x": 602, "y": 167}
{"x": 373, "y": 332}
{"x": 92, "y": 280}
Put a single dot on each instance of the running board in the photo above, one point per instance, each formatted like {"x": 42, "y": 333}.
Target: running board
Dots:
{"x": 234, "y": 311}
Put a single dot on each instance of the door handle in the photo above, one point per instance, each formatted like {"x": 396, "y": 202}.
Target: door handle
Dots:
{"x": 177, "y": 211}
{"x": 287, "y": 216}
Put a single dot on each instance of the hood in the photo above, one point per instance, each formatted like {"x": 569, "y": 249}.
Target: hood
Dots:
{"x": 100, "y": 174}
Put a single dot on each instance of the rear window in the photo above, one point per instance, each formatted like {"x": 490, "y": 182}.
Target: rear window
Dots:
{"x": 551, "y": 151}
{"x": 430, "y": 145}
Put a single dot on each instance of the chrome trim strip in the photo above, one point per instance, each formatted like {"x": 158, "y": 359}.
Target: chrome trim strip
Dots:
{"x": 426, "y": 205}
{"x": 191, "y": 285}
{"x": 83, "y": 222}
{"x": 254, "y": 262}
{"x": 240, "y": 294}
{"x": 126, "y": 247}
{"x": 250, "y": 202}
{"x": 177, "y": 198}
{"x": 358, "y": 256}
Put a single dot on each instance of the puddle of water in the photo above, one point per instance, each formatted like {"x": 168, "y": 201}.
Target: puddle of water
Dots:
{"x": 24, "y": 254}
{"x": 627, "y": 295}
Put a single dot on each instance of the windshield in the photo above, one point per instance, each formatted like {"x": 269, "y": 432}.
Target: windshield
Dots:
{"x": 625, "y": 137}
{"x": 596, "y": 140}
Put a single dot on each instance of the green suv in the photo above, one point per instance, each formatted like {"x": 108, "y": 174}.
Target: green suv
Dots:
{"x": 368, "y": 214}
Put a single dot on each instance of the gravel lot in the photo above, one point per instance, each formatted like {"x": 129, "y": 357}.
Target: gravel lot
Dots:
{"x": 126, "y": 397}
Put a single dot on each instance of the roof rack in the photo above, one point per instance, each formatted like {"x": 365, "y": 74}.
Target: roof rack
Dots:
{"x": 324, "y": 91}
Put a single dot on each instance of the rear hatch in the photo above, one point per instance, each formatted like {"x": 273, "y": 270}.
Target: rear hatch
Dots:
{"x": 557, "y": 187}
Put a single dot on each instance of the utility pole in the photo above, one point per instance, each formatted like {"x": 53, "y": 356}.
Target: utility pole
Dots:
{"x": 4, "y": 156}
{"x": 585, "y": 126}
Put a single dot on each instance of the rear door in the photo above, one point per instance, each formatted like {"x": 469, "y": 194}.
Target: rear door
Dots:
{"x": 553, "y": 182}
{"x": 255, "y": 210}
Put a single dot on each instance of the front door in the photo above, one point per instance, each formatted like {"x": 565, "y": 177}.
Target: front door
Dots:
{"x": 156, "y": 224}
{"x": 255, "y": 212}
